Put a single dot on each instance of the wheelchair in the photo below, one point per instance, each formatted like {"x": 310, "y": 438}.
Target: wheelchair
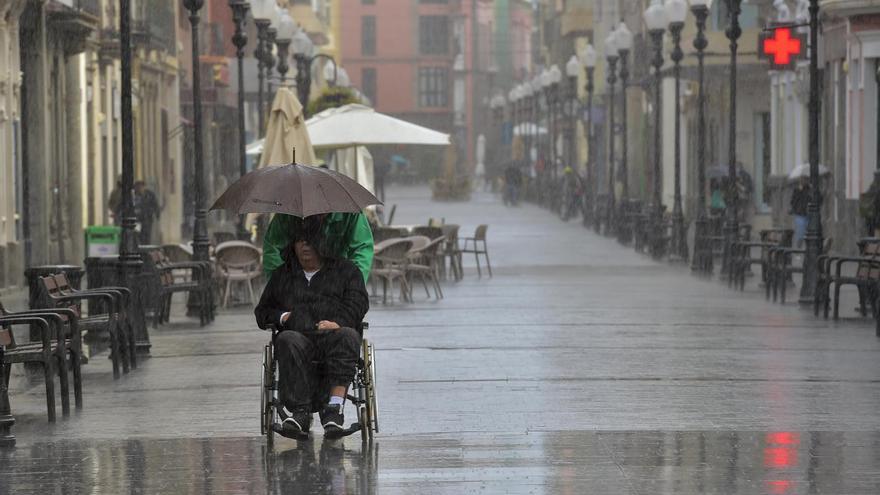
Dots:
{"x": 362, "y": 387}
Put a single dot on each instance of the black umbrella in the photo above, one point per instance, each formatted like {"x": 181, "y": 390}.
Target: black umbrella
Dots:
{"x": 298, "y": 190}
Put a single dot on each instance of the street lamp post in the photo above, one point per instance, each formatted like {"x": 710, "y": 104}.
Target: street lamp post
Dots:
{"x": 239, "y": 39}
{"x": 588, "y": 59}
{"x": 676, "y": 13}
{"x": 572, "y": 70}
{"x": 813, "y": 237}
{"x": 702, "y": 259}
{"x": 611, "y": 56}
{"x": 130, "y": 262}
{"x": 551, "y": 80}
{"x": 262, "y": 12}
{"x": 624, "y": 41}
{"x": 731, "y": 226}
{"x": 655, "y": 20}
{"x": 200, "y": 226}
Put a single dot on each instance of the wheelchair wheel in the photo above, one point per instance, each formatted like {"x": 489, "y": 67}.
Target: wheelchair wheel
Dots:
{"x": 371, "y": 409}
{"x": 267, "y": 386}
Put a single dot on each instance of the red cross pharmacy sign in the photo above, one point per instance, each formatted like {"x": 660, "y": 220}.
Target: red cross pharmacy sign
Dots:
{"x": 782, "y": 46}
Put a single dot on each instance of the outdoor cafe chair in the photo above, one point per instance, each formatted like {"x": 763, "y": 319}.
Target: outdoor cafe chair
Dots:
{"x": 424, "y": 263}
{"x": 238, "y": 261}
{"x": 389, "y": 264}
{"x": 477, "y": 246}
{"x": 451, "y": 250}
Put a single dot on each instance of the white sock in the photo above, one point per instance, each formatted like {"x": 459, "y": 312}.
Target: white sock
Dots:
{"x": 336, "y": 400}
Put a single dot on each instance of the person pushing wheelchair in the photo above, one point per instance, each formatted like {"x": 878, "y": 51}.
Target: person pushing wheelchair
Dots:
{"x": 316, "y": 300}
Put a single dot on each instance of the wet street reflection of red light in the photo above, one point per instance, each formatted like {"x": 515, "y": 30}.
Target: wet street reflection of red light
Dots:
{"x": 779, "y": 458}
{"x": 783, "y": 438}
{"x": 778, "y": 487}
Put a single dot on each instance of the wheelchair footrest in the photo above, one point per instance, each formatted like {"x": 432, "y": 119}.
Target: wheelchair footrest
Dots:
{"x": 354, "y": 400}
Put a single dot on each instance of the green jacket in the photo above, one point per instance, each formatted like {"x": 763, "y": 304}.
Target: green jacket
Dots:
{"x": 348, "y": 235}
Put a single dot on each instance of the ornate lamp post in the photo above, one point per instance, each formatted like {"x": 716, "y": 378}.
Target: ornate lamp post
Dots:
{"x": 588, "y": 59}
{"x": 200, "y": 226}
{"x": 286, "y": 30}
{"x": 731, "y": 226}
{"x": 553, "y": 78}
{"x": 262, "y": 13}
{"x": 611, "y": 56}
{"x": 702, "y": 260}
{"x": 676, "y": 13}
{"x": 624, "y": 42}
{"x": 130, "y": 262}
{"x": 655, "y": 20}
{"x": 572, "y": 71}
{"x": 813, "y": 237}
{"x": 239, "y": 39}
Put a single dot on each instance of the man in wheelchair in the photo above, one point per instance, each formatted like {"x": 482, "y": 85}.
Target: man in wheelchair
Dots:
{"x": 316, "y": 300}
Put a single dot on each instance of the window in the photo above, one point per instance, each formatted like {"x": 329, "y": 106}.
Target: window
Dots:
{"x": 433, "y": 87}
{"x": 368, "y": 2}
{"x": 368, "y": 83}
{"x": 433, "y": 34}
{"x": 368, "y": 35}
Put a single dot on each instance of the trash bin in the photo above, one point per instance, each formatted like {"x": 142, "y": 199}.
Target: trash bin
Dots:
{"x": 102, "y": 240}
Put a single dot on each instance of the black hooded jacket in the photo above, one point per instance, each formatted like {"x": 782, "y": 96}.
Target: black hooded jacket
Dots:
{"x": 336, "y": 293}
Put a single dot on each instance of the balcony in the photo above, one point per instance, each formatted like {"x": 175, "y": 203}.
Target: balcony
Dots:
{"x": 154, "y": 24}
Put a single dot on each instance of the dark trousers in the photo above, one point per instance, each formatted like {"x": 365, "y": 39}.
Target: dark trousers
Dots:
{"x": 302, "y": 384}
{"x": 146, "y": 232}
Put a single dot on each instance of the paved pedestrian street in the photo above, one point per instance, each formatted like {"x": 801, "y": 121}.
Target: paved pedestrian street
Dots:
{"x": 579, "y": 367}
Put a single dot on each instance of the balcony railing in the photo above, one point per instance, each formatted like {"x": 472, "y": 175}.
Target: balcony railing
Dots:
{"x": 91, "y": 7}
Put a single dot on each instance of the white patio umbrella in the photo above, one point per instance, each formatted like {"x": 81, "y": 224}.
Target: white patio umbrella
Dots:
{"x": 255, "y": 148}
{"x": 359, "y": 125}
{"x": 803, "y": 170}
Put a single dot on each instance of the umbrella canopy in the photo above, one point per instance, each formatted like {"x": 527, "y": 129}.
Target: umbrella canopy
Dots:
{"x": 529, "y": 129}
{"x": 357, "y": 125}
{"x": 803, "y": 170}
{"x": 298, "y": 190}
{"x": 285, "y": 132}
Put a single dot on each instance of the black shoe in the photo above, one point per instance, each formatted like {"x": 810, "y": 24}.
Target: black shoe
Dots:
{"x": 332, "y": 420}
{"x": 295, "y": 424}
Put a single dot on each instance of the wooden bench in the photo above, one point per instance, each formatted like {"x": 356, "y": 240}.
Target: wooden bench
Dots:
{"x": 199, "y": 283}
{"x": 742, "y": 259}
{"x": 780, "y": 268}
{"x": 830, "y": 273}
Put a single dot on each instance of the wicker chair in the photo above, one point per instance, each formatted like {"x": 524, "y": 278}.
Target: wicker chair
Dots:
{"x": 238, "y": 261}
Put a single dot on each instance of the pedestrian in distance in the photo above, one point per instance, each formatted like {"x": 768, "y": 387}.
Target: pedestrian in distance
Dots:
{"x": 146, "y": 210}
{"x": 512, "y": 183}
{"x": 316, "y": 300}
{"x": 114, "y": 202}
{"x": 800, "y": 198}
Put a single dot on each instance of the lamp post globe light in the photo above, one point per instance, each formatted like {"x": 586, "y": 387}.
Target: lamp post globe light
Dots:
{"x": 588, "y": 59}
{"x": 286, "y": 30}
{"x": 731, "y": 226}
{"x": 611, "y": 56}
{"x": 655, "y": 21}
{"x": 239, "y": 40}
{"x": 271, "y": 36}
{"x": 261, "y": 12}
{"x": 624, "y": 42}
{"x": 702, "y": 259}
{"x": 676, "y": 13}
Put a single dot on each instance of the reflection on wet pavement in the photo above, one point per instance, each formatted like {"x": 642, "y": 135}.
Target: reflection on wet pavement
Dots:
{"x": 633, "y": 462}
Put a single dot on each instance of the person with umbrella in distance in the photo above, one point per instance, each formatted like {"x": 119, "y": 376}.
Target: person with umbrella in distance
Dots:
{"x": 316, "y": 299}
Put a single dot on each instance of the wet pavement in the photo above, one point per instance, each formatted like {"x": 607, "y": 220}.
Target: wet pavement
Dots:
{"x": 580, "y": 367}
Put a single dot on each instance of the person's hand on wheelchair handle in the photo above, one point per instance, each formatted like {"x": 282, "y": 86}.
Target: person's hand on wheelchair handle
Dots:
{"x": 328, "y": 325}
